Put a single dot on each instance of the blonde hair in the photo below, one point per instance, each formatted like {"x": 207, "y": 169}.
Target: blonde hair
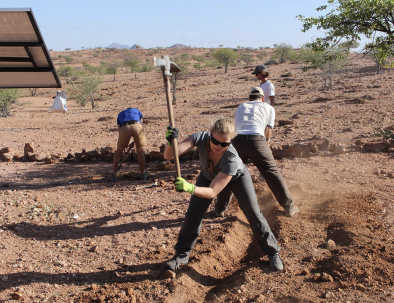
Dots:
{"x": 224, "y": 126}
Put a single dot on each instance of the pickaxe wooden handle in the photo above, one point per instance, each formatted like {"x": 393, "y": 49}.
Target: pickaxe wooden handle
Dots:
{"x": 174, "y": 142}
{"x": 168, "y": 67}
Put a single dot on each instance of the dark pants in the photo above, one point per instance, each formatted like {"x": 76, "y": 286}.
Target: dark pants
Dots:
{"x": 243, "y": 190}
{"x": 256, "y": 148}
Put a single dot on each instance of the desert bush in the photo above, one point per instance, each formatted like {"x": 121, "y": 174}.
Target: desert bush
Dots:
{"x": 87, "y": 89}
{"x": 283, "y": 52}
{"x": 271, "y": 61}
{"x": 69, "y": 59}
{"x": 211, "y": 63}
{"x": 147, "y": 66}
{"x": 7, "y": 98}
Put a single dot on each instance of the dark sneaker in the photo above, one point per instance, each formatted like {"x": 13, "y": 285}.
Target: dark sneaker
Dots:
{"x": 275, "y": 262}
{"x": 176, "y": 262}
{"x": 112, "y": 178}
{"x": 145, "y": 176}
{"x": 218, "y": 213}
{"x": 291, "y": 210}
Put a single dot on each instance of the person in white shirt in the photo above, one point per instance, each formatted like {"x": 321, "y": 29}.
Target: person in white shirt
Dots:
{"x": 254, "y": 121}
{"x": 268, "y": 88}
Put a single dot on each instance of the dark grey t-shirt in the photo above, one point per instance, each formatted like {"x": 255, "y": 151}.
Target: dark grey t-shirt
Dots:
{"x": 230, "y": 163}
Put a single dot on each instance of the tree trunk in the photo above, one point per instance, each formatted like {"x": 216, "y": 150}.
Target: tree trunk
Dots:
{"x": 135, "y": 75}
{"x": 114, "y": 76}
{"x": 173, "y": 92}
{"x": 226, "y": 68}
{"x": 92, "y": 98}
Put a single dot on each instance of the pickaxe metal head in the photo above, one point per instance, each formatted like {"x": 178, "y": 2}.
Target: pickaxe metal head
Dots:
{"x": 165, "y": 64}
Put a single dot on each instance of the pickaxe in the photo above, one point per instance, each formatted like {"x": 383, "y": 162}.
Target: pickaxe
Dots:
{"x": 125, "y": 155}
{"x": 168, "y": 67}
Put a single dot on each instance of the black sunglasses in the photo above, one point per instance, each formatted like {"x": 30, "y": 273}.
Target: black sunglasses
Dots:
{"x": 216, "y": 142}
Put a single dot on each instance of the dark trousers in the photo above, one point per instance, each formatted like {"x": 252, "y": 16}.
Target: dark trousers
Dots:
{"x": 243, "y": 190}
{"x": 256, "y": 148}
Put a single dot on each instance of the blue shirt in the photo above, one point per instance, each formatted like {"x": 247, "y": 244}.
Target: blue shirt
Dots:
{"x": 130, "y": 114}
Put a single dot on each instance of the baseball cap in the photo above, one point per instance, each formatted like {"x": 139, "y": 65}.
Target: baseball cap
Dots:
{"x": 259, "y": 69}
{"x": 260, "y": 93}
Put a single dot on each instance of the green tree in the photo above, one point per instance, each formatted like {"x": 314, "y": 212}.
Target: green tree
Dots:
{"x": 329, "y": 61}
{"x": 67, "y": 49}
{"x": 68, "y": 72}
{"x": 225, "y": 56}
{"x": 133, "y": 62}
{"x": 283, "y": 52}
{"x": 351, "y": 20}
{"x": 113, "y": 66}
{"x": 7, "y": 98}
{"x": 183, "y": 74}
{"x": 147, "y": 66}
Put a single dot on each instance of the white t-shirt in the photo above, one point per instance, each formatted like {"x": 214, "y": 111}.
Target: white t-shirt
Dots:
{"x": 269, "y": 90}
{"x": 253, "y": 117}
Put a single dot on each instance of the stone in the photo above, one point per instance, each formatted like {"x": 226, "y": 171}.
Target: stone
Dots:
{"x": 305, "y": 272}
{"x": 29, "y": 148}
{"x": 170, "y": 274}
{"x": 48, "y": 160}
{"x": 7, "y": 157}
{"x": 326, "y": 278}
{"x": 94, "y": 287}
{"x": 7, "y": 150}
{"x": 375, "y": 146}
{"x": 16, "y": 296}
{"x": 94, "y": 248}
{"x": 164, "y": 165}
{"x": 106, "y": 150}
{"x": 313, "y": 147}
{"x": 361, "y": 287}
{"x": 105, "y": 118}
{"x": 339, "y": 149}
{"x": 285, "y": 122}
{"x": 35, "y": 157}
{"x": 330, "y": 244}
{"x": 322, "y": 145}
{"x": 92, "y": 153}
{"x": 155, "y": 156}
{"x": 317, "y": 277}
{"x": 295, "y": 150}
{"x": 129, "y": 291}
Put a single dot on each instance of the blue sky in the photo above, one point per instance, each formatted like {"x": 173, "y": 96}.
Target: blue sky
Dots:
{"x": 205, "y": 23}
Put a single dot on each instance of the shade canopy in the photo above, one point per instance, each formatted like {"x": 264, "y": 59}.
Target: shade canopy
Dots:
{"x": 24, "y": 57}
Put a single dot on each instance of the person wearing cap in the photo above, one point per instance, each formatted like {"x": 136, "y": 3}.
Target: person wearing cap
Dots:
{"x": 268, "y": 88}
{"x": 129, "y": 124}
{"x": 254, "y": 121}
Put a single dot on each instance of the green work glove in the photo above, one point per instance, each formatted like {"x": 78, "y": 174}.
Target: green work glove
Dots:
{"x": 171, "y": 133}
{"x": 182, "y": 185}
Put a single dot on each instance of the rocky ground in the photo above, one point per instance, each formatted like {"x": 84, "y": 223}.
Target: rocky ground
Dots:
{"x": 69, "y": 235}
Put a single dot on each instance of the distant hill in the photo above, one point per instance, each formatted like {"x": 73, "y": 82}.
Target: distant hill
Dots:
{"x": 117, "y": 45}
{"x": 178, "y": 46}
{"x": 136, "y": 46}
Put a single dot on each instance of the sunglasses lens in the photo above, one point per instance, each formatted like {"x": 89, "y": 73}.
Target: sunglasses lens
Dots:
{"x": 216, "y": 142}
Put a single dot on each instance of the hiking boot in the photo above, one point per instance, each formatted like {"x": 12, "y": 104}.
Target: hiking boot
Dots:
{"x": 112, "y": 178}
{"x": 291, "y": 210}
{"x": 176, "y": 262}
{"x": 144, "y": 176}
{"x": 275, "y": 262}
